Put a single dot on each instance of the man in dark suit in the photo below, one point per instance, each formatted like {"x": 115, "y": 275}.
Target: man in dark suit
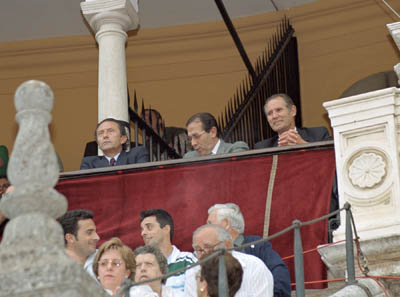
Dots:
{"x": 229, "y": 217}
{"x": 111, "y": 138}
{"x": 203, "y": 134}
{"x": 280, "y": 112}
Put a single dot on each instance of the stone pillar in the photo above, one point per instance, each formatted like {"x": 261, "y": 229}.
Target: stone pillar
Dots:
{"x": 32, "y": 257}
{"x": 110, "y": 20}
{"x": 366, "y": 140}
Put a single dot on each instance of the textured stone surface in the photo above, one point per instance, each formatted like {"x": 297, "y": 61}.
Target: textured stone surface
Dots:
{"x": 32, "y": 257}
{"x": 366, "y": 136}
{"x": 33, "y": 168}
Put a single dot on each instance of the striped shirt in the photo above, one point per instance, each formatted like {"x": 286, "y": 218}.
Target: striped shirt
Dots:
{"x": 178, "y": 260}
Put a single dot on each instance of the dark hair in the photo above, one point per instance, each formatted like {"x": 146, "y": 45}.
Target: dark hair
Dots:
{"x": 161, "y": 260}
{"x": 209, "y": 273}
{"x": 289, "y": 102}
{"x": 162, "y": 217}
{"x": 156, "y": 112}
{"x": 207, "y": 121}
{"x": 69, "y": 221}
{"x": 126, "y": 254}
{"x": 121, "y": 124}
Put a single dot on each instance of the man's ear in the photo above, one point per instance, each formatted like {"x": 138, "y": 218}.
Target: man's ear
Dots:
{"x": 69, "y": 238}
{"x": 123, "y": 139}
{"x": 213, "y": 131}
{"x": 167, "y": 228}
{"x": 293, "y": 110}
{"x": 226, "y": 223}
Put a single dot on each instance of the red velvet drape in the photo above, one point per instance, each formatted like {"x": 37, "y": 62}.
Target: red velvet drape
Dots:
{"x": 302, "y": 191}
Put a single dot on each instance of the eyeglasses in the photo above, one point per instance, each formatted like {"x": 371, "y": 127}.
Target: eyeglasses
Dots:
{"x": 196, "y": 136}
{"x": 206, "y": 249}
{"x": 114, "y": 263}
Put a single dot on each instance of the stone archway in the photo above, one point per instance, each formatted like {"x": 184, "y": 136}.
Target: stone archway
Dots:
{"x": 373, "y": 82}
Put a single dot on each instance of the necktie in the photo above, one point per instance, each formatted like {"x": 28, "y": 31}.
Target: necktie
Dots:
{"x": 112, "y": 162}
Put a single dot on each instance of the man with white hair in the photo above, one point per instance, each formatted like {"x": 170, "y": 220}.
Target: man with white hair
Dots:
{"x": 257, "y": 280}
{"x": 229, "y": 217}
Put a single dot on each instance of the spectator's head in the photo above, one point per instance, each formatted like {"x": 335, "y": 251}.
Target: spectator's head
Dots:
{"x": 208, "y": 238}
{"x": 150, "y": 263}
{"x": 203, "y": 132}
{"x": 113, "y": 263}
{"x": 157, "y": 227}
{"x": 79, "y": 232}
{"x": 156, "y": 119}
{"x": 280, "y": 112}
{"x": 111, "y": 136}
{"x": 228, "y": 216}
{"x": 207, "y": 279}
{"x": 4, "y": 184}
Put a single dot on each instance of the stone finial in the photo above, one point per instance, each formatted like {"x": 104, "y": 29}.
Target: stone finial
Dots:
{"x": 33, "y": 168}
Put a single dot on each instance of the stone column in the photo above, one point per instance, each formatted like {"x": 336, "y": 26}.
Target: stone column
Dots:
{"x": 110, "y": 20}
{"x": 32, "y": 257}
{"x": 366, "y": 140}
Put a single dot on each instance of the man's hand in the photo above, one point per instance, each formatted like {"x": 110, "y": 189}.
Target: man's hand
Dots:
{"x": 290, "y": 137}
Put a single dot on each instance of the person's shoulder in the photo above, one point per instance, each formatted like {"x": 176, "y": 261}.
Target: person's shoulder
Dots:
{"x": 241, "y": 144}
{"x": 89, "y": 162}
{"x": 186, "y": 256}
{"x": 191, "y": 154}
{"x": 315, "y": 133}
{"x": 227, "y": 147}
{"x": 247, "y": 260}
{"x": 266, "y": 143}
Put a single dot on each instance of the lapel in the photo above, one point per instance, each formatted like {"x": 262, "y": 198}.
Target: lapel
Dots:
{"x": 101, "y": 161}
{"x": 221, "y": 148}
{"x": 122, "y": 159}
{"x": 303, "y": 133}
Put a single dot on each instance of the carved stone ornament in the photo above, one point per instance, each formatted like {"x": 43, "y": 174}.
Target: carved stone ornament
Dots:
{"x": 367, "y": 170}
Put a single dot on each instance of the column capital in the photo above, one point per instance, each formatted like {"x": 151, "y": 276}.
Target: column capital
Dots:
{"x": 102, "y": 12}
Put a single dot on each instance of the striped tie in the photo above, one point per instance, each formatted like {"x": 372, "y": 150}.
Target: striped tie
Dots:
{"x": 112, "y": 162}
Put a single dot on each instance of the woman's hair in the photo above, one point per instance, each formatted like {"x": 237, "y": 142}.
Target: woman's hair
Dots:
{"x": 126, "y": 253}
{"x": 209, "y": 273}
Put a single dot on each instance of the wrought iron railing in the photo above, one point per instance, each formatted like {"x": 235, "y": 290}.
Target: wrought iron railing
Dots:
{"x": 276, "y": 71}
{"x": 144, "y": 133}
{"x": 298, "y": 255}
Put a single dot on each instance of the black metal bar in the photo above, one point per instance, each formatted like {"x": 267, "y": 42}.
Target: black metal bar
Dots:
{"x": 223, "y": 290}
{"x": 298, "y": 260}
{"x": 235, "y": 37}
{"x": 351, "y": 275}
{"x": 269, "y": 69}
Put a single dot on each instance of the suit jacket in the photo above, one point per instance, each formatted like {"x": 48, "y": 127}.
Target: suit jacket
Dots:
{"x": 308, "y": 134}
{"x": 224, "y": 148}
{"x": 273, "y": 261}
{"x": 135, "y": 155}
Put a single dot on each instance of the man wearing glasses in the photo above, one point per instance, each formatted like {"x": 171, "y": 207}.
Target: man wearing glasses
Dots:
{"x": 257, "y": 279}
{"x": 80, "y": 237}
{"x": 204, "y": 136}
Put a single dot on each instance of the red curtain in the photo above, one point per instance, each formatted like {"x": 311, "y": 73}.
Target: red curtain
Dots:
{"x": 302, "y": 191}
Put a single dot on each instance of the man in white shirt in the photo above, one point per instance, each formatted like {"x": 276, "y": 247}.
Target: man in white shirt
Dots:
{"x": 157, "y": 230}
{"x": 204, "y": 135}
{"x": 257, "y": 279}
{"x": 80, "y": 237}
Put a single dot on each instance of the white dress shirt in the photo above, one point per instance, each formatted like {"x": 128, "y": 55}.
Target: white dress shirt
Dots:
{"x": 257, "y": 280}
{"x": 216, "y": 147}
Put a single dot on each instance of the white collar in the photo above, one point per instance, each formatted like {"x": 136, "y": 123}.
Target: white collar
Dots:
{"x": 115, "y": 157}
{"x": 216, "y": 147}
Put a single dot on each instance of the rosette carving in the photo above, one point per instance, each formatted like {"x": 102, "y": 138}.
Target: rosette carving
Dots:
{"x": 367, "y": 170}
